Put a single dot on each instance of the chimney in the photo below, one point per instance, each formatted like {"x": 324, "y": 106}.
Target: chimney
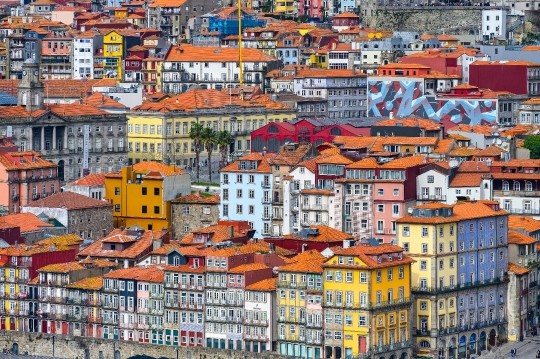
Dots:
{"x": 231, "y": 231}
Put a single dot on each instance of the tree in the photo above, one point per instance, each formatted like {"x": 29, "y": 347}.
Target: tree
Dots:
{"x": 195, "y": 133}
{"x": 224, "y": 140}
{"x": 208, "y": 139}
{"x": 532, "y": 143}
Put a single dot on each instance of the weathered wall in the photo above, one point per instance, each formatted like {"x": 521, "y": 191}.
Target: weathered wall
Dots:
{"x": 74, "y": 348}
{"x": 423, "y": 19}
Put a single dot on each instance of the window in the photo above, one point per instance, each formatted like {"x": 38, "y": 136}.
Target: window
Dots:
{"x": 424, "y": 247}
{"x": 431, "y": 179}
{"x": 144, "y": 209}
{"x": 423, "y": 265}
{"x": 425, "y": 231}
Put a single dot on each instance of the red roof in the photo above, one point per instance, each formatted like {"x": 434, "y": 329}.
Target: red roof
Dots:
{"x": 69, "y": 201}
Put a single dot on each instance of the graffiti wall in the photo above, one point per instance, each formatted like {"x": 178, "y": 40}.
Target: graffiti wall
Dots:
{"x": 406, "y": 98}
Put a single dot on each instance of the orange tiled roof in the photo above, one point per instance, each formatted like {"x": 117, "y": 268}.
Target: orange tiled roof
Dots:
{"x": 149, "y": 274}
{"x": 446, "y": 37}
{"x": 405, "y": 162}
{"x": 28, "y": 222}
{"x": 467, "y": 180}
{"x": 265, "y": 285}
{"x": 263, "y": 166}
{"x": 515, "y": 237}
{"x": 220, "y": 234}
{"x": 526, "y": 223}
{"x": 354, "y": 142}
{"x": 327, "y": 73}
{"x": 444, "y": 145}
{"x": 325, "y": 234}
{"x": 290, "y": 158}
{"x": 379, "y": 144}
{"x": 365, "y": 253}
{"x": 517, "y": 269}
{"x": 92, "y": 283}
{"x": 335, "y": 159}
{"x": 305, "y": 266}
{"x": 101, "y": 100}
{"x": 189, "y": 53}
{"x": 462, "y": 211}
{"x": 94, "y": 179}
{"x": 311, "y": 165}
{"x": 61, "y": 241}
{"x": 69, "y": 201}
{"x": 490, "y": 151}
{"x": 30, "y": 160}
{"x": 473, "y": 166}
{"x": 464, "y": 152}
{"x": 139, "y": 247}
{"x": 197, "y": 198}
{"x": 346, "y": 15}
{"x": 75, "y": 266}
{"x": 458, "y": 137}
{"x": 243, "y": 268}
{"x": 186, "y": 268}
{"x": 410, "y": 122}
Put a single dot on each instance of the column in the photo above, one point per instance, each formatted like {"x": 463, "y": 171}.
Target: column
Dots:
{"x": 42, "y": 144}
{"x": 30, "y": 139}
{"x": 53, "y": 147}
{"x": 65, "y": 138}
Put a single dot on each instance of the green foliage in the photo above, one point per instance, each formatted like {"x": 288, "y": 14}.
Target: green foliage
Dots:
{"x": 208, "y": 139}
{"x": 530, "y": 38}
{"x": 195, "y": 133}
{"x": 532, "y": 143}
{"x": 224, "y": 139}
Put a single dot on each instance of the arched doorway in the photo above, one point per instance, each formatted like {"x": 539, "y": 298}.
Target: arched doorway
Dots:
{"x": 15, "y": 349}
{"x": 60, "y": 170}
{"x": 441, "y": 349}
{"x": 117, "y": 354}
{"x": 492, "y": 337}
{"x": 273, "y": 145}
{"x": 482, "y": 342}
{"x": 472, "y": 344}
{"x": 403, "y": 356}
{"x": 462, "y": 350}
{"x": 452, "y": 349}
{"x": 257, "y": 144}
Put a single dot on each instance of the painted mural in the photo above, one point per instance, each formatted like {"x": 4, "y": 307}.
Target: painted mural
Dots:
{"x": 406, "y": 98}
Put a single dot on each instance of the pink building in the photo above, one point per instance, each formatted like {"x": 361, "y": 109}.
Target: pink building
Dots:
{"x": 24, "y": 177}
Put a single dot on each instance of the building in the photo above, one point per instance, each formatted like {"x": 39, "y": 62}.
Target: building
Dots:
{"x": 461, "y": 260}
{"x": 260, "y": 314}
{"x": 246, "y": 192}
{"x": 87, "y": 217}
{"x": 85, "y": 298}
{"x": 213, "y": 68}
{"x": 160, "y": 130}
{"x": 92, "y": 186}
{"x": 313, "y": 238}
{"x": 56, "y": 55}
{"x": 58, "y": 130}
{"x": 125, "y": 245}
{"x": 231, "y": 232}
{"x": 494, "y": 74}
{"x": 150, "y": 186}
{"x": 494, "y": 23}
{"x": 192, "y": 212}
{"x": 529, "y": 111}
{"x": 368, "y": 303}
{"x": 25, "y": 175}
{"x": 34, "y": 228}
{"x": 299, "y": 305}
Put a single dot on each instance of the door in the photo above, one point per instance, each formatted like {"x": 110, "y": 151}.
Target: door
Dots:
{"x": 361, "y": 344}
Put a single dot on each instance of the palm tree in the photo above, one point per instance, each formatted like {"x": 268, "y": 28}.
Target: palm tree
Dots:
{"x": 195, "y": 133}
{"x": 224, "y": 139}
{"x": 208, "y": 139}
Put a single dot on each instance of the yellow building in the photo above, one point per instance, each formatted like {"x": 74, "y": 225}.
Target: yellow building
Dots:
{"x": 458, "y": 275}
{"x": 285, "y": 7}
{"x": 299, "y": 309}
{"x": 151, "y": 78}
{"x": 141, "y": 194}
{"x": 318, "y": 58}
{"x": 160, "y": 130}
{"x": 367, "y": 302}
{"x": 115, "y": 44}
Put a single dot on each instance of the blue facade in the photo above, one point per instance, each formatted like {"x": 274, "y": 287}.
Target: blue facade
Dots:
{"x": 289, "y": 56}
{"x": 229, "y": 25}
{"x": 482, "y": 266}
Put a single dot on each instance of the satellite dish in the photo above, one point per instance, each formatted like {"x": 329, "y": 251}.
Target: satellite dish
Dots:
{"x": 371, "y": 35}
{"x": 499, "y": 141}
{"x": 453, "y": 163}
{"x": 378, "y": 35}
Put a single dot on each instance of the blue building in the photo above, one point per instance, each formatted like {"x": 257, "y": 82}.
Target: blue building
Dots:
{"x": 246, "y": 192}
{"x": 287, "y": 50}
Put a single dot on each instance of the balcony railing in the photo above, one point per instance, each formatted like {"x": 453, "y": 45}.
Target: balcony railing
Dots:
{"x": 425, "y": 197}
{"x": 93, "y": 319}
{"x": 502, "y": 193}
{"x": 390, "y": 347}
{"x": 469, "y": 285}
{"x": 533, "y": 284}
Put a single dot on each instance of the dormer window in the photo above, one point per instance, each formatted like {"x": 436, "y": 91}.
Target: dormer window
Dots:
{"x": 253, "y": 165}
{"x": 379, "y": 259}
{"x": 242, "y": 165}
{"x": 400, "y": 256}
{"x": 389, "y": 258}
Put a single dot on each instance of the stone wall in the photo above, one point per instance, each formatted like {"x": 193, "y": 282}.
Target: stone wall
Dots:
{"x": 423, "y": 19}
{"x": 76, "y": 348}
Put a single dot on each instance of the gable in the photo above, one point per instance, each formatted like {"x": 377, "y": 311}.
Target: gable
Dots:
{"x": 49, "y": 118}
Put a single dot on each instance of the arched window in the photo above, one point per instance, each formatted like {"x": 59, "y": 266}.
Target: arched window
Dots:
{"x": 335, "y": 131}
{"x": 424, "y": 344}
{"x": 516, "y": 186}
{"x": 528, "y": 186}
{"x": 273, "y": 129}
{"x": 506, "y": 186}
{"x": 176, "y": 261}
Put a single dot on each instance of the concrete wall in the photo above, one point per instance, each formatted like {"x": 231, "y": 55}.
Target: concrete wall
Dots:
{"x": 74, "y": 347}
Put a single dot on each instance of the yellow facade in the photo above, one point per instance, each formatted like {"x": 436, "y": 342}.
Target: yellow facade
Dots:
{"x": 171, "y": 143}
{"x": 319, "y": 60}
{"x": 137, "y": 202}
{"x": 152, "y": 74}
{"x": 285, "y": 7}
{"x": 113, "y": 52}
{"x": 374, "y": 301}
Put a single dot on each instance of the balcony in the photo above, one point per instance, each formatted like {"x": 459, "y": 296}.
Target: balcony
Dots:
{"x": 423, "y": 332}
{"x": 110, "y": 305}
{"x": 435, "y": 290}
{"x": 314, "y": 325}
{"x": 109, "y": 320}
{"x": 314, "y": 207}
{"x": 142, "y": 326}
{"x": 266, "y": 184}
{"x": 155, "y": 311}
{"x": 288, "y": 284}
{"x": 171, "y": 285}
{"x": 76, "y": 317}
{"x": 71, "y": 300}
{"x": 449, "y": 330}
{"x": 533, "y": 284}
{"x": 156, "y": 295}
{"x": 93, "y": 319}
{"x": 429, "y": 198}
{"x": 93, "y": 302}
{"x": 391, "y": 347}
{"x": 500, "y": 193}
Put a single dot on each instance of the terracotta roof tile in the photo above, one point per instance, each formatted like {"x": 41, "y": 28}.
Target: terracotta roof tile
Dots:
{"x": 141, "y": 246}
{"x": 365, "y": 253}
{"x": 325, "y": 234}
{"x": 92, "y": 283}
{"x": 94, "y": 179}
{"x": 69, "y": 201}
{"x": 464, "y": 152}
{"x": 187, "y": 53}
{"x": 466, "y": 180}
{"x": 479, "y": 129}
{"x": 473, "y": 166}
{"x": 75, "y": 266}
{"x": 290, "y": 158}
{"x": 311, "y": 165}
{"x": 379, "y": 144}
{"x": 248, "y": 268}
{"x": 61, "y": 241}
{"x": 101, "y": 100}
{"x": 28, "y": 222}
{"x": 336, "y": 159}
{"x": 265, "y": 285}
{"x": 186, "y": 268}
{"x": 197, "y": 198}
{"x": 515, "y": 237}
{"x": 354, "y": 142}
{"x": 526, "y": 223}
{"x": 444, "y": 146}
{"x": 462, "y": 211}
{"x": 327, "y": 73}
{"x": 149, "y": 274}
{"x": 410, "y": 122}
{"x": 24, "y": 160}
{"x": 458, "y": 137}
{"x": 517, "y": 269}
{"x": 305, "y": 266}
{"x": 263, "y": 160}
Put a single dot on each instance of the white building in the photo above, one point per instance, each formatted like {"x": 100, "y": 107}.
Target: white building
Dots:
{"x": 433, "y": 182}
{"x": 246, "y": 192}
{"x": 92, "y": 186}
{"x": 85, "y": 46}
{"x": 300, "y": 178}
{"x": 494, "y": 23}
{"x": 260, "y": 316}
{"x": 128, "y": 94}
